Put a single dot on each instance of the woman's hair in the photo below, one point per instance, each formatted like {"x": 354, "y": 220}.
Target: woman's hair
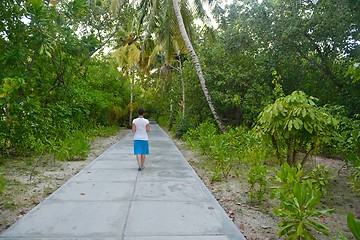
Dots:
{"x": 141, "y": 111}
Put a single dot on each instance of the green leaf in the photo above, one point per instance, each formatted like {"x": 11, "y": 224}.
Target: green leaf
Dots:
{"x": 274, "y": 111}
{"x": 308, "y": 236}
{"x": 353, "y": 225}
{"x": 304, "y": 113}
{"x": 300, "y": 229}
{"x": 297, "y": 124}
{"x": 312, "y": 114}
{"x": 290, "y": 125}
{"x": 342, "y": 236}
{"x": 36, "y": 3}
{"x": 308, "y": 127}
{"x": 319, "y": 227}
{"x": 285, "y": 228}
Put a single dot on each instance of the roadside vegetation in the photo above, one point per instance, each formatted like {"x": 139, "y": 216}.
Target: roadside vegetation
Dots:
{"x": 267, "y": 88}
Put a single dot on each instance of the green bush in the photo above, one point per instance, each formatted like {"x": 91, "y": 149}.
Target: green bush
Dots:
{"x": 295, "y": 124}
{"x": 74, "y": 147}
{"x": 347, "y": 138}
{"x": 257, "y": 178}
{"x": 200, "y": 138}
{"x": 298, "y": 201}
{"x": 221, "y": 156}
{"x": 320, "y": 177}
{"x": 102, "y": 131}
{"x": 227, "y": 150}
{"x": 346, "y": 143}
{"x": 297, "y": 211}
{"x": 354, "y": 177}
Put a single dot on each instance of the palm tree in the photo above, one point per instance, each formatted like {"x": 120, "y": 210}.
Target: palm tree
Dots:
{"x": 154, "y": 10}
{"x": 128, "y": 55}
{"x": 133, "y": 53}
{"x": 177, "y": 66}
{"x": 196, "y": 62}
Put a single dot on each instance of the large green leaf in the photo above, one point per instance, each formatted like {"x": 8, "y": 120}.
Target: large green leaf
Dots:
{"x": 36, "y": 3}
{"x": 353, "y": 225}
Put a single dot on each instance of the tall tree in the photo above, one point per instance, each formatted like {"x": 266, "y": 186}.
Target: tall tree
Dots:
{"x": 196, "y": 62}
{"x": 46, "y": 51}
{"x": 128, "y": 56}
{"x": 153, "y": 9}
{"x": 309, "y": 45}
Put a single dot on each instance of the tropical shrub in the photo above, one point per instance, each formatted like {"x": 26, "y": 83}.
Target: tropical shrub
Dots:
{"x": 200, "y": 137}
{"x": 347, "y": 138}
{"x": 218, "y": 147}
{"x": 224, "y": 150}
{"x": 346, "y": 143}
{"x": 298, "y": 200}
{"x": 254, "y": 154}
{"x": 257, "y": 178}
{"x": 298, "y": 210}
{"x": 354, "y": 177}
{"x": 181, "y": 127}
{"x": 285, "y": 179}
{"x": 320, "y": 177}
{"x": 102, "y": 131}
{"x": 74, "y": 147}
{"x": 221, "y": 155}
{"x": 295, "y": 124}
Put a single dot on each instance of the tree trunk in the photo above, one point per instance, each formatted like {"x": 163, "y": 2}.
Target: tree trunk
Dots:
{"x": 131, "y": 99}
{"x": 183, "y": 95}
{"x": 197, "y": 64}
{"x": 275, "y": 145}
{"x": 171, "y": 116}
{"x": 307, "y": 155}
{"x": 289, "y": 155}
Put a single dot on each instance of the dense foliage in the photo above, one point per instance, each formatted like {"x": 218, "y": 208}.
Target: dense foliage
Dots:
{"x": 50, "y": 87}
{"x": 264, "y": 65}
{"x": 296, "y": 124}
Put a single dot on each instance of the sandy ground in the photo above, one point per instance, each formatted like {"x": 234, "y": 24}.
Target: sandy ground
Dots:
{"x": 22, "y": 194}
{"x": 255, "y": 222}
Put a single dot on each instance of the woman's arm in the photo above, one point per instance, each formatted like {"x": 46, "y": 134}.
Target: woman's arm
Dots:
{"x": 133, "y": 128}
{"x": 148, "y": 127}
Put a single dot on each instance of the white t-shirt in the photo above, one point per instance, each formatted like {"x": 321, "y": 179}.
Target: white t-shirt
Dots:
{"x": 140, "y": 124}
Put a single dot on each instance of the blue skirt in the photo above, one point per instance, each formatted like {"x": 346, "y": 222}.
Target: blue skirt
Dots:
{"x": 141, "y": 147}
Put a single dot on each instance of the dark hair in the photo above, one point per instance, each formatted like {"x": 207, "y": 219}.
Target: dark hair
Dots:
{"x": 141, "y": 111}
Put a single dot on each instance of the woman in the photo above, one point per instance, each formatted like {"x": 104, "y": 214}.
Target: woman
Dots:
{"x": 141, "y": 126}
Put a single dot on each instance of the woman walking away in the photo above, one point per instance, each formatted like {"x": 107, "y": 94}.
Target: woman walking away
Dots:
{"x": 141, "y": 126}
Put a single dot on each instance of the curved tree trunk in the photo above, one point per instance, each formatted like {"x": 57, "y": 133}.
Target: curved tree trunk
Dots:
{"x": 131, "y": 99}
{"x": 183, "y": 104}
{"x": 196, "y": 62}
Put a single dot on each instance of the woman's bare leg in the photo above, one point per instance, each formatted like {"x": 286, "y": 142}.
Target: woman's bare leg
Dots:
{"x": 143, "y": 159}
{"x": 138, "y": 159}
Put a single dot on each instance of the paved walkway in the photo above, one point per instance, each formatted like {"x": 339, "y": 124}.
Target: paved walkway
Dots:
{"x": 109, "y": 199}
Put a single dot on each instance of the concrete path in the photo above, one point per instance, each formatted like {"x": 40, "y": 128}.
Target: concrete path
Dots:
{"x": 110, "y": 199}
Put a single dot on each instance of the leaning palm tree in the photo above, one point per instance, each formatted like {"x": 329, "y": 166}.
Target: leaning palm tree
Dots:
{"x": 196, "y": 62}
{"x": 152, "y": 10}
